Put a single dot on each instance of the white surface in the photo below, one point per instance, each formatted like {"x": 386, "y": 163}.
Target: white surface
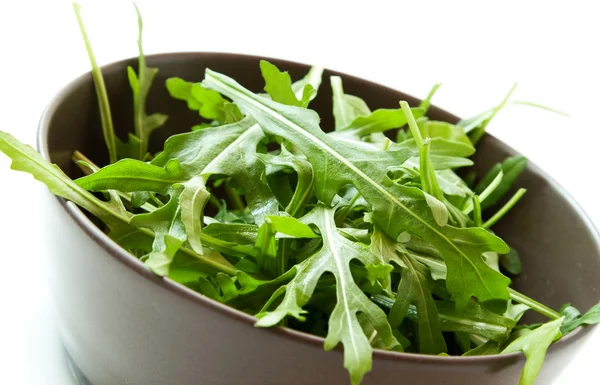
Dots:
{"x": 477, "y": 49}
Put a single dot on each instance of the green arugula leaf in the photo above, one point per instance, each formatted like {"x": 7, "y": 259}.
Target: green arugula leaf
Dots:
{"x": 312, "y": 79}
{"x": 510, "y": 168}
{"x": 193, "y": 199}
{"x": 140, "y": 85}
{"x": 334, "y": 257}
{"x": 340, "y": 164}
{"x": 26, "y": 159}
{"x": 209, "y": 104}
{"x": 169, "y": 233}
{"x": 380, "y": 120}
{"x": 414, "y": 289}
{"x": 346, "y": 108}
{"x": 474, "y": 319}
{"x": 589, "y": 318}
{"x": 448, "y": 135}
{"x": 108, "y": 130}
{"x": 130, "y": 175}
{"x": 287, "y": 162}
{"x": 534, "y": 345}
{"x": 225, "y": 150}
{"x": 279, "y": 85}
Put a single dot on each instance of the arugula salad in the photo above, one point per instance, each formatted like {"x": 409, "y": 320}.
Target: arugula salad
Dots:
{"x": 369, "y": 234}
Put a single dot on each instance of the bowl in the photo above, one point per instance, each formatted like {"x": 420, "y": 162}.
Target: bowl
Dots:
{"x": 120, "y": 324}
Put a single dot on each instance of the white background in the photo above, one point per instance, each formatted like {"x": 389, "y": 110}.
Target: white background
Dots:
{"x": 478, "y": 49}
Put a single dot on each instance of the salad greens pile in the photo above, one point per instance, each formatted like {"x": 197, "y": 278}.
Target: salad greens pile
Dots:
{"x": 366, "y": 241}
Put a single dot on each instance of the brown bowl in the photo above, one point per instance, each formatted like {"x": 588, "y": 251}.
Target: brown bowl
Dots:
{"x": 121, "y": 324}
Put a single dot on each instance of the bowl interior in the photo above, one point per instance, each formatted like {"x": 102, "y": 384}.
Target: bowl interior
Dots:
{"x": 557, "y": 243}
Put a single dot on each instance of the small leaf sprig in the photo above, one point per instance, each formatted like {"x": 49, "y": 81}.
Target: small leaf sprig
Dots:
{"x": 345, "y": 233}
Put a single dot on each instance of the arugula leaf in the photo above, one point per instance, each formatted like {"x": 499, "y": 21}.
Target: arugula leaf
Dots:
{"x": 209, "y": 104}
{"x": 105, "y": 115}
{"x": 474, "y": 319}
{"x": 26, "y": 159}
{"x": 192, "y": 201}
{"x": 380, "y": 120}
{"x": 340, "y": 164}
{"x": 312, "y": 78}
{"x": 589, "y": 318}
{"x": 169, "y": 233}
{"x": 510, "y": 168}
{"x": 346, "y": 108}
{"x": 225, "y": 150}
{"x": 286, "y": 162}
{"x": 140, "y": 85}
{"x": 534, "y": 345}
{"x": 130, "y": 175}
{"x": 279, "y": 86}
{"x": 414, "y": 289}
{"x": 449, "y": 136}
{"x": 334, "y": 257}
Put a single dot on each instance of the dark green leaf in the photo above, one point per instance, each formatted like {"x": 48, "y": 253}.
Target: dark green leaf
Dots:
{"x": 414, "y": 290}
{"x": 591, "y": 317}
{"x": 511, "y": 168}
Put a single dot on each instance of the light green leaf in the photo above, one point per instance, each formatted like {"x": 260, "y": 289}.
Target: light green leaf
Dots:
{"x": 346, "y": 108}
{"x": 301, "y": 87}
{"x": 438, "y": 210}
{"x": 192, "y": 201}
{"x": 291, "y": 226}
{"x": 129, "y": 175}
{"x": 209, "y": 104}
{"x": 534, "y": 345}
{"x": 278, "y": 84}
{"x": 380, "y": 120}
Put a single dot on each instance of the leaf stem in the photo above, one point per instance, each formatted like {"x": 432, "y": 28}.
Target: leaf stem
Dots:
{"x": 485, "y": 193}
{"x": 513, "y": 201}
{"x": 234, "y": 198}
{"x": 534, "y": 305}
{"x": 477, "y": 211}
{"x": 105, "y": 114}
{"x": 412, "y": 124}
{"x": 425, "y": 103}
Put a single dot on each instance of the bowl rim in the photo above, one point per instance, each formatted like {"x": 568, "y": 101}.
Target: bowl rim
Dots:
{"x": 129, "y": 261}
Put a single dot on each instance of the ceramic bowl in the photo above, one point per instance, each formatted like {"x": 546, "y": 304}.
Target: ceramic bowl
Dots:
{"x": 120, "y": 324}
